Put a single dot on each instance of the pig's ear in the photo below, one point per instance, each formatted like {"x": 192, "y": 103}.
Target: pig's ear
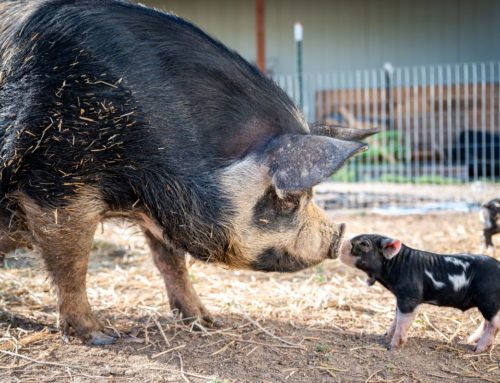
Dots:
{"x": 391, "y": 247}
{"x": 343, "y": 132}
{"x": 298, "y": 161}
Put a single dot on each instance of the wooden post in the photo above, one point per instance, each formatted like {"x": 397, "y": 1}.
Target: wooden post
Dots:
{"x": 261, "y": 38}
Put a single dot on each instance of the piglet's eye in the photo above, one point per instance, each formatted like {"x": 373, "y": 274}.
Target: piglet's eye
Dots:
{"x": 365, "y": 245}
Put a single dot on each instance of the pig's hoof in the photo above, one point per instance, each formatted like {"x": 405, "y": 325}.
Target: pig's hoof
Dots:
{"x": 90, "y": 331}
{"x": 213, "y": 323}
{"x": 480, "y": 348}
{"x": 98, "y": 338}
{"x": 197, "y": 314}
{"x": 201, "y": 323}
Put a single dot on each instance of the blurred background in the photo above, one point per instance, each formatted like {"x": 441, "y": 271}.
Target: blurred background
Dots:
{"x": 426, "y": 72}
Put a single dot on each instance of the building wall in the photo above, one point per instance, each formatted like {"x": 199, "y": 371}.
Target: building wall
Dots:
{"x": 353, "y": 34}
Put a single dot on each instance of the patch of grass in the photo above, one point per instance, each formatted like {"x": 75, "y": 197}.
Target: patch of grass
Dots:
{"x": 328, "y": 357}
{"x": 216, "y": 379}
{"x": 323, "y": 348}
{"x": 429, "y": 179}
{"x": 390, "y": 367}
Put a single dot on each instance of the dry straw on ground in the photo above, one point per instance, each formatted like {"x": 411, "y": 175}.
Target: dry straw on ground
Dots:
{"x": 322, "y": 324}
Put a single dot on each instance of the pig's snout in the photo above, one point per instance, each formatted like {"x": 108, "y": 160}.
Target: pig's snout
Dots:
{"x": 336, "y": 242}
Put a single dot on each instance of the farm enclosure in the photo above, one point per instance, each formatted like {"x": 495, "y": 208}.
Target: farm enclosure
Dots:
{"x": 439, "y": 124}
{"x": 318, "y": 325}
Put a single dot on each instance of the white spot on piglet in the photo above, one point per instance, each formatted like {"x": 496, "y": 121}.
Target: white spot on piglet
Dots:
{"x": 458, "y": 281}
{"x": 437, "y": 284}
{"x": 457, "y": 262}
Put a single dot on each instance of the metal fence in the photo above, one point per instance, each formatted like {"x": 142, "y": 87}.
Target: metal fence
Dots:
{"x": 440, "y": 124}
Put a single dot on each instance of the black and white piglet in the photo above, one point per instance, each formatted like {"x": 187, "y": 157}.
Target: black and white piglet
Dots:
{"x": 490, "y": 217}
{"x": 415, "y": 277}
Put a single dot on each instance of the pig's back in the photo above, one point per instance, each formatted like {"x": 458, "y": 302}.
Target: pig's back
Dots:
{"x": 98, "y": 89}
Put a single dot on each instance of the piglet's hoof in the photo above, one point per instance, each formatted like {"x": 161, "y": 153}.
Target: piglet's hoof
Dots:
{"x": 393, "y": 347}
{"x": 396, "y": 344}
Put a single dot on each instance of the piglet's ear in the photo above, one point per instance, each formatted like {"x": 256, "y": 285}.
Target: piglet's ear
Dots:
{"x": 391, "y": 247}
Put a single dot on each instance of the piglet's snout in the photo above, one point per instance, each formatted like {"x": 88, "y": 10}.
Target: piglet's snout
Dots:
{"x": 345, "y": 253}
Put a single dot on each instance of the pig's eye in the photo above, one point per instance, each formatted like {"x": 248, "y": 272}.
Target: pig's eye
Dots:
{"x": 290, "y": 203}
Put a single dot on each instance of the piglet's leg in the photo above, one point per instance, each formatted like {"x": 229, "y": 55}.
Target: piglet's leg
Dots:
{"x": 403, "y": 323}
{"x": 476, "y": 335}
{"x": 390, "y": 332}
{"x": 488, "y": 337}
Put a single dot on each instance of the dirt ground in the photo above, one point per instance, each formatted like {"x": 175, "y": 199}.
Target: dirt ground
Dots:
{"x": 319, "y": 325}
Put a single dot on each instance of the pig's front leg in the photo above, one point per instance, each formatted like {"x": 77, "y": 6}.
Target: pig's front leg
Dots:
{"x": 488, "y": 246}
{"x": 403, "y": 323}
{"x": 182, "y": 297}
{"x": 390, "y": 332}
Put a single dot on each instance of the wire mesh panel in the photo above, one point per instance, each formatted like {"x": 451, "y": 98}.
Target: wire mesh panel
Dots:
{"x": 440, "y": 125}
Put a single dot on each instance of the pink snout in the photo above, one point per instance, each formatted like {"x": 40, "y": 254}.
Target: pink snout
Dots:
{"x": 345, "y": 253}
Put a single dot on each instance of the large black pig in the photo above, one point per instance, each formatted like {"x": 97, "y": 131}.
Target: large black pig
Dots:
{"x": 110, "y": 109}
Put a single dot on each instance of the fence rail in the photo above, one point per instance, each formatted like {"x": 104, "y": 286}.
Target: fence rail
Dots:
{"x": 440, "y": 124}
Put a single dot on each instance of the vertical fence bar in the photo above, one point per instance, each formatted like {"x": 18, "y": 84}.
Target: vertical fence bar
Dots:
{"x": 432, "y": 141}
{"x": 335, "y": 97}
{"x": 376, "y": 139}
{"x": 466, "y": 123}
{"x": 407, "y": 135}
{"x": 383, "y": 109}
{"x": 440, "y": 140}
{"x": 391, "y": 133}
{"x": 350, "y": 82}
{"x": 358, "y": 116}
{"x": 492, "y": 83}
{"x": 330, "y": 94}
{"x": 398, "y": 141}
{"x": 449, "y": 119}
{"x": 497, "y": 158}
{"x": 368, "y": 120}
{"x": 424, "y": 133}
{"x": 483, "y": 100}
{"x": 475, "y": 131}
{"x": 416, "y": 111}
{"x": 343, "y": 95}
{"x": 319, "y": 97}
{"x": 458, "y": 125}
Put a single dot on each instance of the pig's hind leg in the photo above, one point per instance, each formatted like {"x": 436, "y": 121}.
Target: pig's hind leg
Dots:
{"x": 64, "y": 238}
{"x": 171, "y": 263}
{"x": 476, "y": 335}
{"x": 10, "y": 235}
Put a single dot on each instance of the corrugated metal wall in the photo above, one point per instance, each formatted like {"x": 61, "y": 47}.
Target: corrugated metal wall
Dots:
{"x": 354, "y": 34}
